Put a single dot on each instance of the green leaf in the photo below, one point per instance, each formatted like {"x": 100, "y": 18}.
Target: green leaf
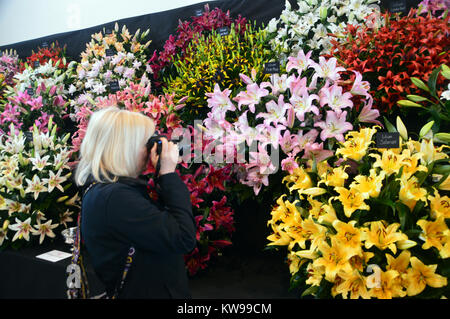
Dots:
{"x": 391, "y": 128}
{"x": 432, "y": 80}
{"x": 441, "y": 169}
{"x": 310, "y": 291}
{"x": 403, "y": 214}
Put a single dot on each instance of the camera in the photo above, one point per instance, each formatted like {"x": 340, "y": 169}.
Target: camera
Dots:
{"x": 156, "y": 138}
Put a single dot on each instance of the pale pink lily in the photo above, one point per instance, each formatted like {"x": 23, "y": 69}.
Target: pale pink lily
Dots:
{"x": 289, "y": 143}
{"x": 255, "y": 179}
{"x": 335, "y": 126}
{"x": 317, "y": 150}
{"x": 262, "y": 160}
{"x": 309, "y": 137}
{"x": 289, "y": 164}
{"x": 327, "y": 69}
{"x": 297, "y": 84}
{"x": 22, "y": 228}
{"x": 219, "y": 100}
{"x": 303, "y": 103}
{"x": 250, "y": 133}
{"x": 360, "y": 87}
{"x": 269, "y": 134}
{"x": 248, "y": 80}
{"x": 275, "y": 111}
{"x": 278, "y": 84}
{"x": 216, "y": 128}
{"x": 300, "y": 63}
{"x": 251, "y": 96}
{"x": 333, "y": 97}
{"x": 369, "y": 115}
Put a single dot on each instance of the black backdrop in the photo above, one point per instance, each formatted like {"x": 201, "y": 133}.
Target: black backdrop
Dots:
{"x": 164, "y": 23}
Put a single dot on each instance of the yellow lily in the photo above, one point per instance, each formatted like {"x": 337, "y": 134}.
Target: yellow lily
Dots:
{"x": 334, "y": 258}
{"x": 440, "y": 205}
{"x": 399, "y": 264}
{"x": 410, "y": 192}
{"x": 299, "y": 179}
{"x": 351, "y": 199}
{"x": 389, "y": 161}
{"x": 336, "y": 177}
{"x": 315, "y": 275}
{"x": 279, "y": 237}
{"x": 421, "y": 275}
{"x": 411, "y": 163}
{"x": 369, "y": 186}
{"x": 279, "y": 211}
{"x": 351, "y": 282}
{"x": 380, "y": 236}
{"x": 445, "y": 185}
{"x": 327, "y": 214}
{"x": 294, "y": 262}
{"x": 388, "y": 286}
{"x": 314, "y": 232}
{"x": 348, "y": 235}
{"x": 355, "y": 149}
{"x": 359, "y": 261}
{"x": 434, "y": 233}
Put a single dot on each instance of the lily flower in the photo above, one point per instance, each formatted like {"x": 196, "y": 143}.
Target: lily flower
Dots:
{"x": 35, "y": 186}
{"x": 275, "y": 111}
{"x": 22, "y": 228}
{"x": 44, "y": 230}
{"x": 251, "y": 96}
{"x": 327, "y": 69}
{"x": 421, "y": 275}
{"x": 55, "y": 180}
{"x": 300, "y": 63}
{"x": 383, "y": 237}
{"x": 219, "y": 100}
{"x": 303, "y": 103}
{"x": 335, "y": 126}
{"x": 335, "y": 258}
{"x": 333, "y": 97}
{"x": 38, "y": 162}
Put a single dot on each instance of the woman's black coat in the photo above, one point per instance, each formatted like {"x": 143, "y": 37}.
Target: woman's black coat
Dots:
{"x": 118, "y": 215}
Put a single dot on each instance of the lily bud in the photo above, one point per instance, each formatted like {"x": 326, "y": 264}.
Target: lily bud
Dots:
{"x": 61, "y": 199}
{"x": 426, "y": 129}
{"x": 5, "y": 224}
{"x": 323, "y": 12}
{"x": 405, "y": 244}
{"x": 442, "y": 137}
{"x": 445, "y": 72}
{"x": 402, "y": 129}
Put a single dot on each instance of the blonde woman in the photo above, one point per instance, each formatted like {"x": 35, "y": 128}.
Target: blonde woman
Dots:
{"x": 117, "y": 212}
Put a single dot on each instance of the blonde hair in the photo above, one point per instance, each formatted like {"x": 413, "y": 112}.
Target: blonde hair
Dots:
{"x": 111, "y": 147}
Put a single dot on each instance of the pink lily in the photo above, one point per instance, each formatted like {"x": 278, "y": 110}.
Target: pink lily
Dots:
{"x": 360, "y": 87}
{"x": 255, "y": 179}
{"x": 302, "y": 104}
{"x": 317, "y": 150}
{"x": 309, "y": 137}
{"x": 275, "y": 111}
{"x": 36, "y": 103}
{"x": 300, "y": 63}
{"x": 335, "y": 126}
{"x": 327, "y": 69}
{"x": 333, "y": 97}
{"x": 297, "y": 84}
{"x": 251, "y": 96}
{"x": 289, "y": 143}
{"x": 250, "y": 133}
{"x": 246, "y": 79}
{"x": 219, "y": 100}
{"x": 369, "y": 115}
{"x": 289, "y": 164}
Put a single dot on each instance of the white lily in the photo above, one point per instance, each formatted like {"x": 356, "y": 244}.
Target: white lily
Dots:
{"x": 54, "y": 180}
{"x": 35, "y": 186}
{"x": 38, "y": 162}
{"x": 22, "y": 228}
{"x": 45, "y": 229}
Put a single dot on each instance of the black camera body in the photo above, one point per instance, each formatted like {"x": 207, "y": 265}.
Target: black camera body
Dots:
{"x": 156, "y": 138}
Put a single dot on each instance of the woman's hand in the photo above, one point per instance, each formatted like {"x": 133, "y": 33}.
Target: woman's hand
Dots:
{"x": 169, "y": 157}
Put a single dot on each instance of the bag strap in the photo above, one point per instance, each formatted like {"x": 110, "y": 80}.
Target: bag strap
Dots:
{"x": 73, "y": 293}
